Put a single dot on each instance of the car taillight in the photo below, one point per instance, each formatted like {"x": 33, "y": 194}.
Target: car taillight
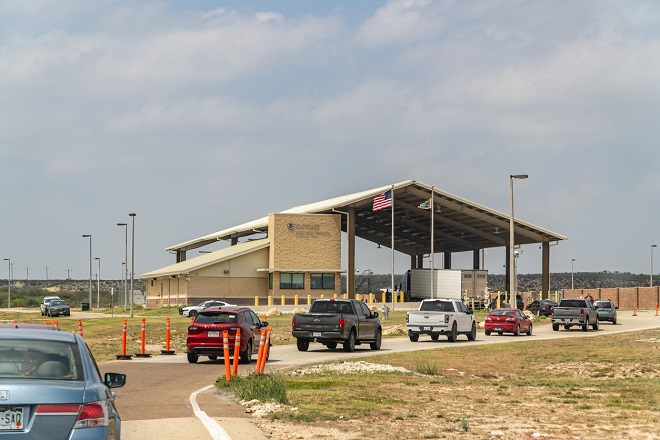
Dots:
{"x": 193, "y": 328}
{"x": 342, "y": 322}
{"x": 293, "y": 322}
{"x": 407, "y": 318}
{"x": 552, "y": 311}
{"x": 91, "y": 415}
{"x": 581, "y": 312}
{"x": 446, "y": 319}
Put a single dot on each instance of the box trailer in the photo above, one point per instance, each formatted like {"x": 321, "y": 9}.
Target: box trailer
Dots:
{"x": 448, "y": 283}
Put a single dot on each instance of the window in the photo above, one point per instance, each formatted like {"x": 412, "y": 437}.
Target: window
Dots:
{"x": 292, "y": 281}
{"x": 323, "y": 281}
{"x": 270, "y": 281}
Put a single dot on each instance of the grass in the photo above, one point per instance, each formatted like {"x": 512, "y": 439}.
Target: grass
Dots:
{"x": 264, "y": 387}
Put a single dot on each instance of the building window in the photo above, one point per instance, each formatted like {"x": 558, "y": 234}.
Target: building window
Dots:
{"x": 292, "y": 281}
{"x": 323, "y": 281}
{"x": 270, "y": 280}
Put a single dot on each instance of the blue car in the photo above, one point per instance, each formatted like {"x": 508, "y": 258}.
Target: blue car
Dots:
{"x": 51, "y": 388}
{"x": 606, "y": 310}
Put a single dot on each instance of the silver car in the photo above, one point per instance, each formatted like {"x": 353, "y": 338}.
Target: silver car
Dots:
{"x": 51, "y": 388}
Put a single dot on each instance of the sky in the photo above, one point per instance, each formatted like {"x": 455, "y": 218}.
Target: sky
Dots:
{"x": 199, "y": 116}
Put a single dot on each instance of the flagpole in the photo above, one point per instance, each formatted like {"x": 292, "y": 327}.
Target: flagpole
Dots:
{"x": 432, "y": 246}
{"x": 392, "y": 189}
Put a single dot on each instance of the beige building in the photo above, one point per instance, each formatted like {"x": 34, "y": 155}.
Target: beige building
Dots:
{"x": 301, "y": 256}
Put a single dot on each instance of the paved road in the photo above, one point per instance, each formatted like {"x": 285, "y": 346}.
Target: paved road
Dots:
{"x": 155, "y": 403}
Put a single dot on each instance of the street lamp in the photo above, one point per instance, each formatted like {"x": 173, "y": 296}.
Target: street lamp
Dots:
{"x": 125, "y": 266}
{"x": 9, "y": 283}
{"x": 98, "y": 285}
{"x": 572, "y": 285}
{"x": 90, "y": 267}
{"x": 132, "y": 258}
{"x": 651, "y": 281}
{"x": 512, "y": 261}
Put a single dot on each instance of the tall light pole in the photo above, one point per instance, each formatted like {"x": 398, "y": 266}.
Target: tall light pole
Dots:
{"x": 46, "y": 267}
{"x": 98, "y": 285}
{"x": 651, "y": 281}
{"x": 572, "y": 285}
{"x": 90, "y": 267}
{"x": 512, "y": 261}
{"x": 125, "y": 265}
{"x": 132, "y": 258}
{"x": 9, "y": 282}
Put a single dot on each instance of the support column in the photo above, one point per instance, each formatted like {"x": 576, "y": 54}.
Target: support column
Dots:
{"x": 447, "y": 264}
{"x": 507, "y": 283}
{"x": 350, "y": 254}
{"x": 180, "y": 256}
{"x": 234, "y": 241}
{"x": 545, "y": 270}
{"x": 475, "y": 259}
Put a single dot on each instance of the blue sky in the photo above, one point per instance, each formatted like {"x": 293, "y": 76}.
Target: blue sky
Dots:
{"x": 201, "y": 119}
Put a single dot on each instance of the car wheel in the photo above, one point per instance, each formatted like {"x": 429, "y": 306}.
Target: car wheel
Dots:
{"x": 213, "y": 357}
{"x": 376, "y": 344}
{"x": 331, "y": 345}
{"x": 517, "y": 332}
{"x": 473, "y": 333}
{"x": 614, "y": 321}
{"x": 414, "y": 337}
{"x": 555, "y": 327}
{"x": 595, "y": 326}
{"x": 529, "y": 331}
{"x": 500, "y": 333}
{"x": 349, "y": 344}
{"x": 453, "y": 334}
{"x": 192, "y": 358}
{"x": 566, "y": 327}
{"x": 303, "y": 344}
{"x": 246, "y": 356}
{"x": 585, "y": 326}
{"x": 487, "y": 332}
{"x": 192, "y": 313}
{"x": 435, "y": 336}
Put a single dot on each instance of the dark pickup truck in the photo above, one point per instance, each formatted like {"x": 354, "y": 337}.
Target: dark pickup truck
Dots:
{"x": 334, "y": 321}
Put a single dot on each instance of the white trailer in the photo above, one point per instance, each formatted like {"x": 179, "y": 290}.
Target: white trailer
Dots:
{"x": 447, "y": 283}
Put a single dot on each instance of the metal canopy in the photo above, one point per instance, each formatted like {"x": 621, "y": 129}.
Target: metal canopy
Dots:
{"x": 460, "y": 225}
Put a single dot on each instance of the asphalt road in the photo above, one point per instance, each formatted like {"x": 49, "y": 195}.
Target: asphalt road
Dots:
{"x": 156, "y": 403}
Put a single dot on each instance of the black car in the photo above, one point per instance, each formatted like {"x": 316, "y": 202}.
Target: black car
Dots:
{"x": 542, "y": 307}
{"x": 58, "y": 307}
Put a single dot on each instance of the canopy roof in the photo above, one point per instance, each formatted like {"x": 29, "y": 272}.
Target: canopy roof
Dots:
{"x": 459, "y": 225}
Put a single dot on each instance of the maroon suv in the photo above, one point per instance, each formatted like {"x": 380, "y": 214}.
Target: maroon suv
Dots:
{"x": 205, "y": 333}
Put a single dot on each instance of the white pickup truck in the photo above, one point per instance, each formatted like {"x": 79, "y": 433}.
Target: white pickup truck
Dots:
{"x": 437, "y": 317}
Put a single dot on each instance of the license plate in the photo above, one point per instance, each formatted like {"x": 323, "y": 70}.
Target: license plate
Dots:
{"x": 11, "y": 418}
{"x": 424, "y": 328}
{"x": 497, "y": 329}
{"x": 316, "y": 334}
{"x": 213, "y": 334}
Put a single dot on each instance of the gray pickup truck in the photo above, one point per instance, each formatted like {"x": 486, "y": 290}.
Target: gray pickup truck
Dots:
{"x": 334, "y": 321}
{"x": 574, "y": 311}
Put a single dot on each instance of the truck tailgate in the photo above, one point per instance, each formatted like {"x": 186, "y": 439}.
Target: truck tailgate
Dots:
{"x": 426, "y": 318}
{"x": 317, "y": 321}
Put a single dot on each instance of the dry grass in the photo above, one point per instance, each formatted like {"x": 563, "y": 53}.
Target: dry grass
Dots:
{"x": 604, "y": 387}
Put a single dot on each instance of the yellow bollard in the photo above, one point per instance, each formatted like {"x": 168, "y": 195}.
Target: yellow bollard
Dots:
{"x": 334, "y": 296}
{"x": 498, "y": 299}
{"x": 371, "y": 298}
{"x": 322, "y": 296}
{"x": 345, "y": 296}
{"x": 283, "y": 300}
{"x": 256, "y": 301}
{"x": 270, "y": 300}
{"x": 402, "y": 297}
{"x": 309, "y": 300}
{"x": 358, "y": 297}
{"x": 295, "y": 300}
{"x": 472, "y": 303}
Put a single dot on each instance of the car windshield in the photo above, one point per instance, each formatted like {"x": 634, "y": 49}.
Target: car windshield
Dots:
{"x": 501, "y": 312}
{"x": 216, "y": 318}
{"x": 36, "y": 359}
{"x": 604, "y": 304}
{"x": 58, "y": 303}
{"x": 330, "y": 307}
{"x": 436, "y": 306}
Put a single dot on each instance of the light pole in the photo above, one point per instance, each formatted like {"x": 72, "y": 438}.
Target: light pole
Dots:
{"x": 98, "y": 285}
{"x": 132, "y": 258}
{"x": 46, "y": 267}
{"x": 9, "y": 282}
{"x": 90, "y": 267}
{"x": 572, "y": 284}
{"x": 125, "y": 266}
{"x": 651, "y": 281}
{"x": 512, "y": 261}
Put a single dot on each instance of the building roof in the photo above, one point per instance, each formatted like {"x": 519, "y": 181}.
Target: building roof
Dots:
{"x": 459, "y": 224}
{"x": 205, "y": 260}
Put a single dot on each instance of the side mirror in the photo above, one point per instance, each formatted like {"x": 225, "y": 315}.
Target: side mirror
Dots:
{"x": 469, "y": 312}
{"x": 375, "y": 314}
{"x": 264, "y": 323}
{"x": 115, "y": 380}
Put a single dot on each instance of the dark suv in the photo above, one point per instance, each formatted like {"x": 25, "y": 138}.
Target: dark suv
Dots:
{"x": 58, "y": 307}
{"x": 205, "y": 333}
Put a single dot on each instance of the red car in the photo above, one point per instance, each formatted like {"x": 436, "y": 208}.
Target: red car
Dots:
{"x": 509, "y": 321}
{"x": 205, "y": 333}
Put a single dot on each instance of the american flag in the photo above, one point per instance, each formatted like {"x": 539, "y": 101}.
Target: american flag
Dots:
{"x": 383, "y": 201}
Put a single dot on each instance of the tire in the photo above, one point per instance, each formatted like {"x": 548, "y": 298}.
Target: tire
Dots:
{"x": 435, "y": 336}
{"x": 517, "y": 332}
{"x": 379, "y": 338}
{"x": 303, "y": 344}
{"x": 246, "y": 356}
{"x": 192, "y": 358}
{"x": 595, "y": 326}
{"x": 414, "y": 337}
{"x": 213, "y": 357}
{"x": 500, "y": 333}
{"x": 566, "y": 327}
{"x": 192, "y": 313}
{"x": 529, "y": 331}
{"x": 614, "y": 321}
{"x": 453, "y": 334}
{"x": 473, "y": 333}
{"x": 349, "y": 344}
{"x": 555, "y": 327}
{"x": 585, "y": 327}
{"x": 330, "y": 345}
{"x": 487, "y": 332}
